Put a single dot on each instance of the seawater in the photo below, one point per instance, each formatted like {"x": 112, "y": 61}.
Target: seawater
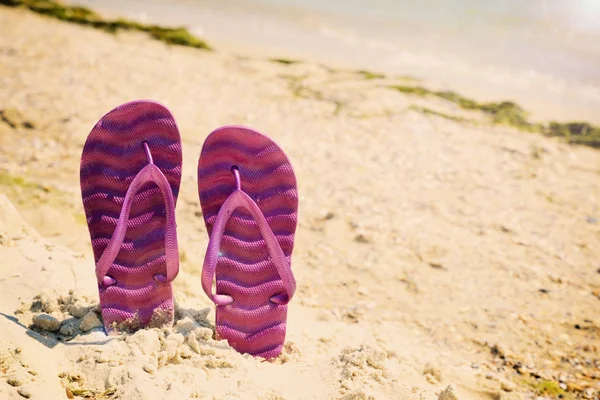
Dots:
{"x": 544, "y": 54}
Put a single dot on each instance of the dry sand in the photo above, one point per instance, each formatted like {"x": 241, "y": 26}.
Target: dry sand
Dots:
{"x": 429, "y": 252}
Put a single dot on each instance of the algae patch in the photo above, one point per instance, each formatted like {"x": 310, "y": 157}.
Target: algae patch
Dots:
{"x": 368, "y": 75}
{"x": 177, "y": 36}
{"x": 301, "y": 90}
{"x": 7, "y": 181}
{"x": 548, "y": 388}
{"x": 284, "y": 61}
{"x": 575, "y": 132}
{"x": 511, "y": 114}
{"x": 84, "y": 16}
{"x": 429, "y": 111}
{"x": 505, "y": 112}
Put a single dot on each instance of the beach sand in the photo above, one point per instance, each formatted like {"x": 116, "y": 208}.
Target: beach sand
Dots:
{"x": 435, "y": 258}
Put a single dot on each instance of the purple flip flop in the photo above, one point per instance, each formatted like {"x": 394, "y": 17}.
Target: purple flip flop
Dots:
{"x": 130, "y": 175}
{"x": 249, "y": 200}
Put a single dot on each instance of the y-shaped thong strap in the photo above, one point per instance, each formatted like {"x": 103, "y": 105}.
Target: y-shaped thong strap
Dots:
{"x": 150, "y": 173}
{"x": 236, "y": 199}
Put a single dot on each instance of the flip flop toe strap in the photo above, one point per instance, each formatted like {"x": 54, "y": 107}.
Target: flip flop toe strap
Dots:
{"x": 150, "y": 173}
{"x": 238, "y": 199}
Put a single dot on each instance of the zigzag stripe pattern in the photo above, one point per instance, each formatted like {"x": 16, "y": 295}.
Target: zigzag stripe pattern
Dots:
{"x": 251, "y": 324}
{"x": 112, "y": 156}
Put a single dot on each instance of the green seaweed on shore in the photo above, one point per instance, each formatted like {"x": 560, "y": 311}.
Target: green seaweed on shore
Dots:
{"x": 84, "y": 16}
{"x": 10, "y": 181}
{"x": 549, "y": 388}
{"x": 575, "y": 132}
{"x": 543, "y": 387}
{"x": 368, "y": 75}
{"x": 505, "y": 112}
{"x": 301, "y": 90}
{"x": 284, "y": 61}
{"x": 417, "y": 90}
{"x": 429, "y": 111}
{"x": 511, "y": 114}
{"x": 178, "y": 36}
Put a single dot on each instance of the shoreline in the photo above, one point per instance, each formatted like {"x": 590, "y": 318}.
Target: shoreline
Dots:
{"x": 500, "y": 112}
{"x": 563, "y": 87}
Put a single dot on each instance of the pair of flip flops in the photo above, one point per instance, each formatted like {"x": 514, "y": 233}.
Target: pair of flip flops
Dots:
{"x": 130, "y": 176}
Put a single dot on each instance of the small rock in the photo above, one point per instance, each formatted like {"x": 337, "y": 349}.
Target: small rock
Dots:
{"x": 432, "y": 374}
{"x": 499, "y": 350}
{"x": 49, "y": 302}
{"x": 89, "y": 322}
{"x": 24, "y": 392}
{"x": 102, "y": 359}
{"x": 326, "y": 215}
{"x": 69, "y": 327}
{"x": 555, "y": 278}
{"x": 507, "y": 385}
{"x": 14, "y": 381}
{"x": 79, "y": 309}
{"x": 589, "y": 348}
{"x": 436, "y": 265}
{"x": 352, "y": 315}
{"x": 361, "y": 238}
{"x": 357, "y": 394}
{"x": 150, "y": 368}
{"x": 15, "y": 118}
{"x": 363, "y": 290}
{"x": 46, "y": 322}
{"x": 448, "y": 394}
